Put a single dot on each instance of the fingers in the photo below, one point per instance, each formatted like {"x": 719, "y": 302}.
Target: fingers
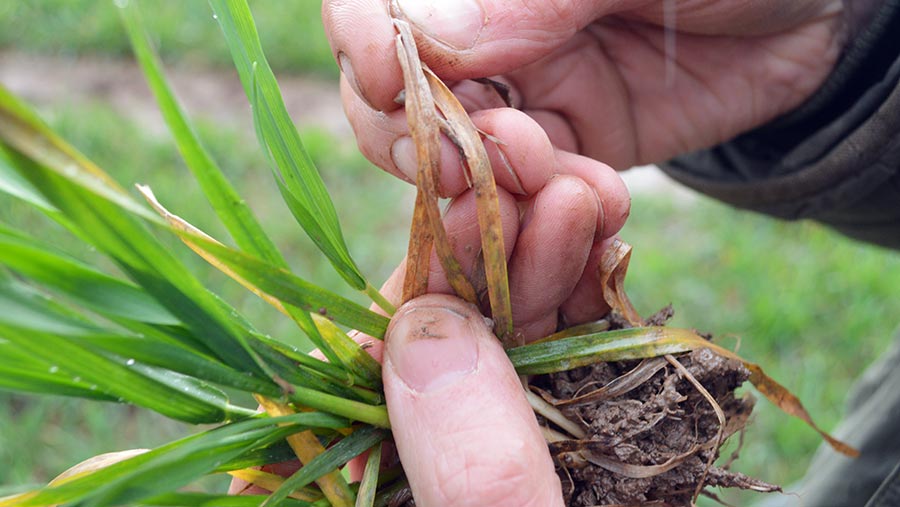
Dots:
{"x": 457, "y": 39}
{"x": 586, "y": 302}
{"x": 615, "y": 201}
{"x": 550, "y": 253}
{"x": 522, "y": 163}
{"x": 553, "y": 251}
{"x": 463, "y": 429}
{"x": 461, "y": 223}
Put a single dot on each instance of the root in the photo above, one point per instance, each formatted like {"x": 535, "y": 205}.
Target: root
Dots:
{"x": 721, "y": 415}
{"x": 653, "y": 443}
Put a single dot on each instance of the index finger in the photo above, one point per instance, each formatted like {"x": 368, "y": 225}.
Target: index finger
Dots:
{"x": 477, "y": 38}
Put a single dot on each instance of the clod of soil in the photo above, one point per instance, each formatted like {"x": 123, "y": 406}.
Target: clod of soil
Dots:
{"x": 651, "y": 435}
{"x": 653, "y": 444}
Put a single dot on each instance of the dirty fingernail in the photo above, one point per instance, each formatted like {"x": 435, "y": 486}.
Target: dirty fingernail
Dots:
{"x": 431, "y": 347}
{"x": 455, "y": 23}
{"x": 403, "y": 153}
{"x": 347, "y": 69}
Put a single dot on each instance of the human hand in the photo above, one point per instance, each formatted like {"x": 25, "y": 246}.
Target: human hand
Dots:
{"x": 592, "y": 73}
{"x": 461, "y": 424}
{"x": 462, "y": 427}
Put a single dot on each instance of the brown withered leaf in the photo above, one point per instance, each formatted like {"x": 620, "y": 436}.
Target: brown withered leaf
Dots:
{"x": 613, "y": 267}
{"x": 425, "y": 131}
{"x": 465, "y": 136}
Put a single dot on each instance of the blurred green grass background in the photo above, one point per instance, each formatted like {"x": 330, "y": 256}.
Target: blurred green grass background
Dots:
{"x": 811, "y": 306}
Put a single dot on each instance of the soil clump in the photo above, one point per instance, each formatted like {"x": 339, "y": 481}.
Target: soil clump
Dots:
{"x": 654, "y": 444}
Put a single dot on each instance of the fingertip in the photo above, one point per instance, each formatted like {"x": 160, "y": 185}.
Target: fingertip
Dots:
{"x": 370, "y": 62}
{"x": 611, "y": 192}
{"x": 462, "y": 39}
{"x": 586, "y": 303}
{"x": 557, "y": 233}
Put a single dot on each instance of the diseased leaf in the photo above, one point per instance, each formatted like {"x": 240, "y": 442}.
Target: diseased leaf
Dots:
{"x": 423, "y": 127}
{"x": 368, "y": 486}
{"x": 307, "y": 448}
{"x": 644, "y": 342}
{"x": 461, "y": 130}
{"x": 271, "y": 482}
{"x": 613, "y": 266}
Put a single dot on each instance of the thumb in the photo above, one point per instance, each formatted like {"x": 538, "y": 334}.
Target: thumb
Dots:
{"x": 464, "y": 431}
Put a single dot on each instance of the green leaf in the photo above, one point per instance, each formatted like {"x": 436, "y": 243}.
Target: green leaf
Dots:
{"x": 227, "y": 203}
{"x": 171, "y": 394}
{"x": 304, "y": 359}
{"x": 24, "y": 308}
{"x": 100, "y": 292}
{"x": 22, "y": 373}
{"x": 26, "y": 133}
{"x": 181, "y": 359}
{"x": 375, "y": 415}
{"x": 293, "y": 290}
{"x": 53, "y": 343}
{"x": 15, "y": 185}
{"x": 93, "y": 206}
{"x": 350, "y": 352}
{"x": 274, "y": 453}
{"x": 225, "y": 200}
{"x": 335, "y": 457}
{"x": 619, "y": 345}
{"x": 339, "y": 348}
{"x": 301, "y": 376}
{"x": 296, "y": 176}
{"x": 171, "y": 466}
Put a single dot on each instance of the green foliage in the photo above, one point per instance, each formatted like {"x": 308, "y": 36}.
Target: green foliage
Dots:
{"x": 53, "y": 346}
{"x": 294, "y": 36}
{"x": 173, "y": 465}
{"x": 796, "y": 293}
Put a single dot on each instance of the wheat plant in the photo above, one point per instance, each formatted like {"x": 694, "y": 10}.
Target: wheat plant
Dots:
{"x": 149, "y": 333}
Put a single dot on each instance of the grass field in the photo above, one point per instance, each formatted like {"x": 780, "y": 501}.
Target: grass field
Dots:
{"x": 186, "y": 31}
{"x": 809, "y": 305}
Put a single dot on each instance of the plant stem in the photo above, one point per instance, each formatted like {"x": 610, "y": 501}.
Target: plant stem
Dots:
{"x": 379, "y": 300}
{"x": 376, "y": 415}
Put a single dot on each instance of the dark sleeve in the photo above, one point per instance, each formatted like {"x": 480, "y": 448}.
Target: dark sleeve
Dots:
{"x": 835, "y": 159}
